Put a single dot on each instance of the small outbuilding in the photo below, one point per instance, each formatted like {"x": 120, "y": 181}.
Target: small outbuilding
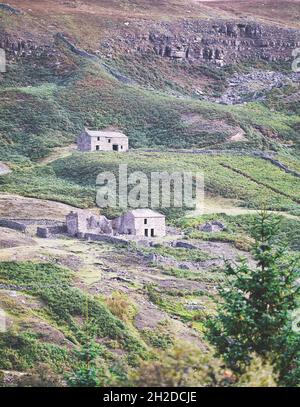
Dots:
{"x": 141, "y": 222}
{"x": 102, "y": 140}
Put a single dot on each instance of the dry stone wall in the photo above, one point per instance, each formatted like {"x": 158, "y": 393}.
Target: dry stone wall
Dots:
{"x": 32, "y": 225}
{"x": 102, "y": 238}
{"x": 11, "y": 224}
{"x": 46, "y": 232}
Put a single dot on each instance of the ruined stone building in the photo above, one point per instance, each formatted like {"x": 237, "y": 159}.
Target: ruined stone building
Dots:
{"x": 102, "y": 140}
{"x": 80, "y": 223}
{"x": 137, "y": 222}
{"x": 141, "y": 222}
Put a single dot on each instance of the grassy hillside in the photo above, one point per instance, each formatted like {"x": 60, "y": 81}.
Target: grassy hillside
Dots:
{"x": 47, "y": 98}
{"x": 134, "y": 309}
{"x": 136, "y": 301}
{"x": 59, "y": 309}
{"x": 251, "y": 181}
{"x": 41, "y": 110}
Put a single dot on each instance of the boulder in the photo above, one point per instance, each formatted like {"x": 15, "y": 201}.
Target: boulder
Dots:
{"x": 212, "y": 227}
{"x": 185, "y": 245}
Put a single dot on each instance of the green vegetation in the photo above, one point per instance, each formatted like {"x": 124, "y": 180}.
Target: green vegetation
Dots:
{"x": 177, "y": 304}
{"x": 44, "y": 107}
{"x": 179, "y": 254}
{"x": 290, "y": 160}
{"x": 159, "y": 337}
{"x": 63, "y": 305}
{"x": 22, "y": 351}
{"x": 41, "y": 182}
{"x": 92, "y": 370}
{"x": 182, "y": 365}
{"x": 238, "y": 230}
{"x": 259, "y": 307}
{"x": 61, "y": 334}
{"x": 185, "y": 365}
{"x": 251, "y": 181}
{"x": 266, "y": 174}
{"x": 210, "y": 276}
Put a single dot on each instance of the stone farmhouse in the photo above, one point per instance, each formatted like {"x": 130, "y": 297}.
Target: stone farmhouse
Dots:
{"x": 102, "y": 140}
{"x": 137, "y": 222}
{"x": 141, "y": 222}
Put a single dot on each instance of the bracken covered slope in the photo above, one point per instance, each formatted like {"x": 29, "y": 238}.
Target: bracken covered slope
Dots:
{"x": 152, "y": 71}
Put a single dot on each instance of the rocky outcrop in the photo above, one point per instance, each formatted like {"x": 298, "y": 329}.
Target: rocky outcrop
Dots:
{"x": 9, "y": 9}
{"x": 212, "y": 227}
{"x": 4, "y": 169}
{"x": 217, "y": 42}
{"x": 170, "y": 262}
{"x": 184, "y": 245}
{"x": 18, "y": 47}
{"x": 194, "y": 41}
{"x": 253, "y": 86}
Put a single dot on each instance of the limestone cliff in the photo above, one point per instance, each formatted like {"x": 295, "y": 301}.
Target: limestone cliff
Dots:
{"x": 219, "y": 42}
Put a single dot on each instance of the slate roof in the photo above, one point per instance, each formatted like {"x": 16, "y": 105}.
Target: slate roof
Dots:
{"x": 105, "y": 133}
{"x": 146, "y": 213}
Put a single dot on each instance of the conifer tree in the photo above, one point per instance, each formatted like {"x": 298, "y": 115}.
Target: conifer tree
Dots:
{"x": 258, "y": 305}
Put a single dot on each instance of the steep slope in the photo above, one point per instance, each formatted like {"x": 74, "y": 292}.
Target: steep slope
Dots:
{"x": 151, "y": 76}
{"x": 197, "y": 86}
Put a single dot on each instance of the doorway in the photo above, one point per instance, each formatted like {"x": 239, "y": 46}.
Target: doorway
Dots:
{"x": 115, "y": 147}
